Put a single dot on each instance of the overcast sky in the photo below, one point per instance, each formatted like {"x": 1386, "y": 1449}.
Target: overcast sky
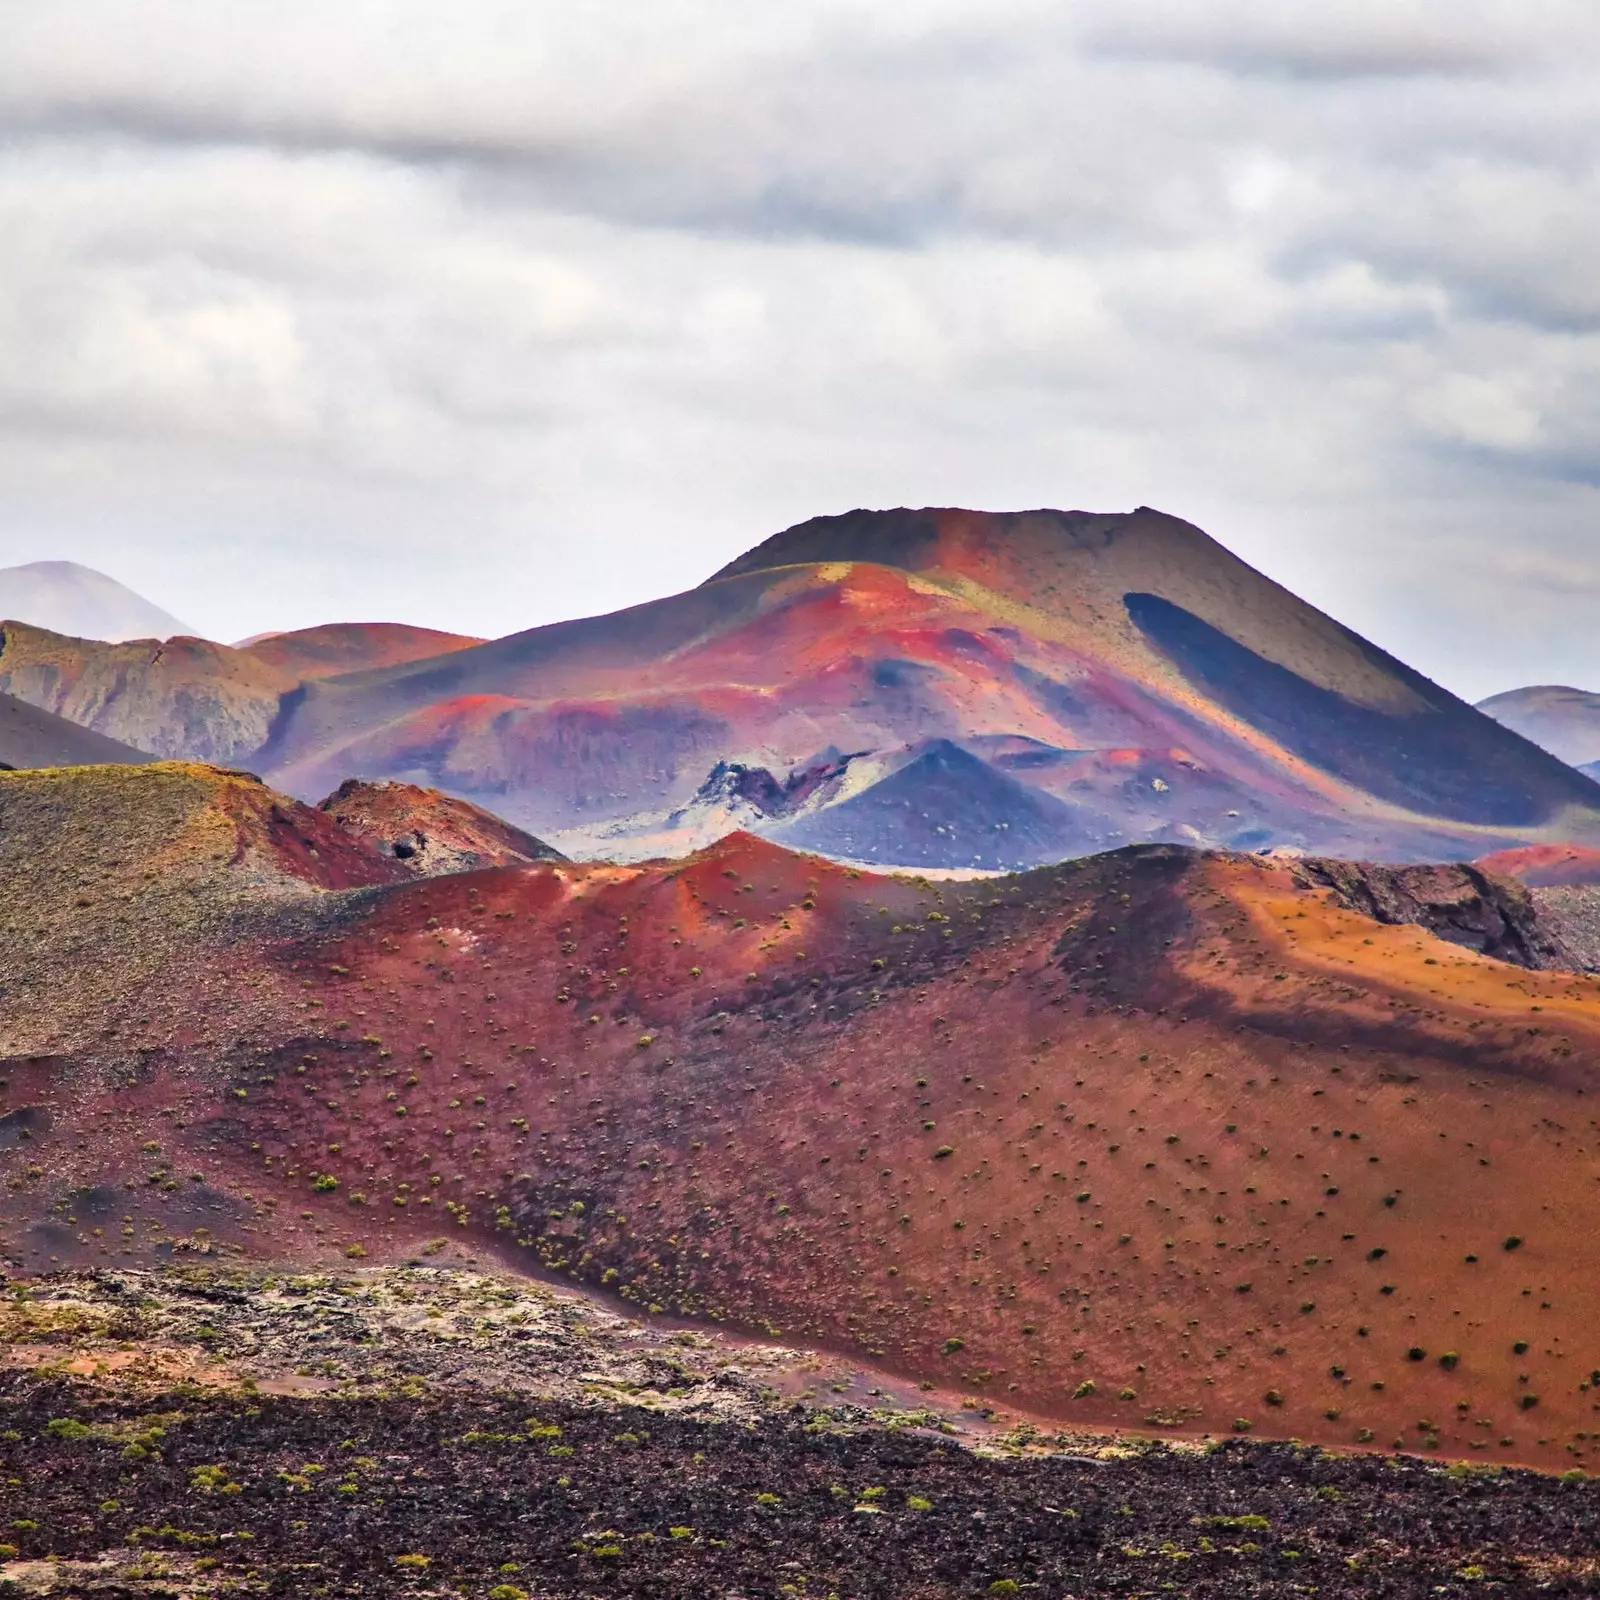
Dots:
{"x": 485, "y": 314}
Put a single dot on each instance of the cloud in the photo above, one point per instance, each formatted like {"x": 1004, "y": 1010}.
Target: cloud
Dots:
{"x": 491, "y": 314}
{"x": 1355, "y": 39}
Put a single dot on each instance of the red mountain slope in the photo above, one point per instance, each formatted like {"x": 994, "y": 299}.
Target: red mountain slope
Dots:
{"x": 1546, "y": 866}
{"x": 1158, "y": 1139}
{"x": 428, "y": 832}
{"x": 1129, "y": 666}
{"x": 337, "y": 647}
{"x": 1162, "y": 687}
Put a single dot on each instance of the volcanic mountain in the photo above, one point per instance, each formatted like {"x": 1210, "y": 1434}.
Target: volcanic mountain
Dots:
{"x": 1127, "y": 665}
{"x": 71, "y": 599}
{"x": 1165, "y": 1139}
{"x": 1102, "y": 678}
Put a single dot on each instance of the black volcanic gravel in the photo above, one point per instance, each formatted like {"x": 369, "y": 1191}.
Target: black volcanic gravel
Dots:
{"x": 331, "y": 1492}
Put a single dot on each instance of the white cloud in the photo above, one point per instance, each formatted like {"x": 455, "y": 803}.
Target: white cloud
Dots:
{"x": 490, "y": 314}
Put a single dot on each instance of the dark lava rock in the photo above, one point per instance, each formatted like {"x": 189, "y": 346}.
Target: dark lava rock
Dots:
{"x": 1492, "y": 915}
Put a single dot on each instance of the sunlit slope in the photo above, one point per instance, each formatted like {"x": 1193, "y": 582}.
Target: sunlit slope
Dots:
{"x": 1160, "y": 1139}
{"x": 1161, "y": 600}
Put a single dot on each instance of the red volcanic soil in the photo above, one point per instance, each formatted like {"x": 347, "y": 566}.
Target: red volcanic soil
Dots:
{"x": 338, "y": 647}
{"x": 428, "y": 832}
{"x": 1546, "y": 866}
{"x": 1156, "y": 1140}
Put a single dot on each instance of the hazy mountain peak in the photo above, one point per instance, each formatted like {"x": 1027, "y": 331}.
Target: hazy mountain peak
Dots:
{"x": 76, "y": 600}
{"x": 1558, "y": 718}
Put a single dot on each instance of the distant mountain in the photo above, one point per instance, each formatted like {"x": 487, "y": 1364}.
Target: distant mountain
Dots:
{"x": 1128, "y": 665}
{"x": 30, "y": 737}
{"x": 337, "y": 647}
{"x": 1564, "y": 721}
{"x": 82, "y": 603}
{"x": 188, "y": 698}
{"x": 1128, "y": 677}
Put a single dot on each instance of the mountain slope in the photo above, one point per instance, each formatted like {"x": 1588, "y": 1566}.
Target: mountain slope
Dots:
{"x": 183, "y": 699}
{"x": 67, "y": 598}
{"x": 1564, "y": 721}
{"x": 1163, "y": 1139}
{"x": 30, "y": 737}
{"x": 1127, "y": 666}
{"x": 942, "y": 808}
{"x": 1119, "y": 645}
{"x": 191, "y": 699}
{"x": 428, "y": 832}
{"x": 338, "y": 647}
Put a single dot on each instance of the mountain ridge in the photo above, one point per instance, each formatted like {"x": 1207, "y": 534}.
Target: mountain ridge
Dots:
{"x": 1126, "y": 666}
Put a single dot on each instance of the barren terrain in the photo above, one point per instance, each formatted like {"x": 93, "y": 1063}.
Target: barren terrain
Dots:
{"x": 1161, "y": 1140}
{"x": 199, "y": 1432}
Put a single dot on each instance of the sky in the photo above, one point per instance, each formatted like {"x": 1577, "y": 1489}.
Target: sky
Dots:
{"x": 488, "y": 314}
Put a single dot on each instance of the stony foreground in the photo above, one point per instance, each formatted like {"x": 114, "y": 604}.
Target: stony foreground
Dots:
{"x": 433, "y": 1434}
